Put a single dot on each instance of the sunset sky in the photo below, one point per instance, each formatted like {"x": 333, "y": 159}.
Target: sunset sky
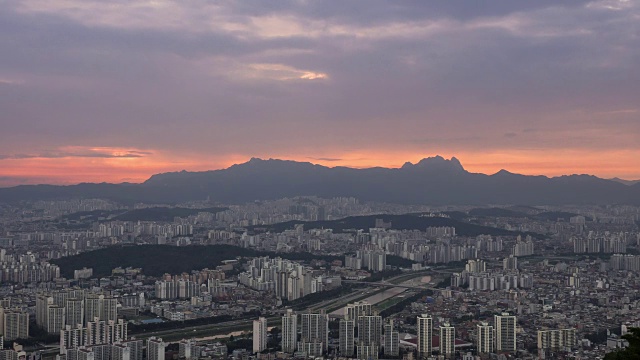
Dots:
{"x": 114, "y": 91}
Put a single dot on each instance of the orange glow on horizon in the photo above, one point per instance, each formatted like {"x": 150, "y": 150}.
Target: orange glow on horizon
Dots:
{"x": 136, "y": 169}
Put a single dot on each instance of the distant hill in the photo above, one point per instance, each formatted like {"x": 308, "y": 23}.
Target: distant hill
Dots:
{"x": 431, "y": 181}
{"x": 626, "y": 182}
{"x": 398, "y": 222}
{"x": 156, "y": 260}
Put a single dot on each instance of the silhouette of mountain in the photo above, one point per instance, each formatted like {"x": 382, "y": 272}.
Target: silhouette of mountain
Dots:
{"x": 626, "y": 182}
{"x": 431, "y": 181}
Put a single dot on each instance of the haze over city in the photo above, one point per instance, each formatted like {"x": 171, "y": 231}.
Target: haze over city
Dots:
{"x": 95, "y": 91}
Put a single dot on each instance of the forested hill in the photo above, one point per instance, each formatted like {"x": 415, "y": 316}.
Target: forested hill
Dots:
{"x": 156, "y": 260}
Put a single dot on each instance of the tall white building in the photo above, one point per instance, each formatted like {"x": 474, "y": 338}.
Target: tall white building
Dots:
{"x": 74, "y": 311}
{"x": 289, "y": 331}
{"x": 354, "y": 310}
{"x": 55, "y": 319}
{"x": 346, "y": 332}
{"x": 314, "y": 328}
{"x": 120, "y": 352}
{"x": 16, "y": 325}
{"x": 485, "y": 338}
{"x": 81, "y": 353}
{"x": 189, "y": 349}
{"x": 370, "y": 330}
{"x": 155, "y": 348}
{"x": 391, "y": 340}
{"x": 101, "y": 307}
{"x": 505, "y": 326}
{"x": 259, "y": 335}
{"x": 43, "y": 301}
{"x": 367, "y": 352}
{"x": 135, "y": 348}
{"x": 447, "y": 339}
{"x": 425, "y": 335}
{"x": 510, "y": 263}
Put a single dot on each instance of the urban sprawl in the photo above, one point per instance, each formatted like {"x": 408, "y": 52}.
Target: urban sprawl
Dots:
{"x": 302, "y": 278}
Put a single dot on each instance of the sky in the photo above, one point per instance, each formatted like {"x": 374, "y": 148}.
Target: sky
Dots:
{"x": 115, "y": 91}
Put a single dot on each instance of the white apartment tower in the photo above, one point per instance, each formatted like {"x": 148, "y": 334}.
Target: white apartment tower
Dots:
{"x": 55, "y": 319}
{"x": 74, "y": 312}
{"x": 314, "y": 328}
{"x": 16, "y": 325}
{"x": 447, "y": 339}
{"x": 370, "y": 330}
{"x": 289, "y": 331}
{"x": 391, "y": 340}
{"x": 485, "y": 338}
{"x": 425, "y": 335}
{"x": 346, "y": 332}
{"x": 120, "y": 352}
{"x": 354, "y": 310}
{"x": 505, "y": 326}
{"x": 259, "y": 335}
{"x": 155, "y": 348}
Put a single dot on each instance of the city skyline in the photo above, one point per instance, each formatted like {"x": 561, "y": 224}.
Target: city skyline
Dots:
{"x": 104, "y": 92}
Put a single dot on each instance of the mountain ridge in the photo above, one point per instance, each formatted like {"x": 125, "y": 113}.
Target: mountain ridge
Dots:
{"x": 433, "y": 180}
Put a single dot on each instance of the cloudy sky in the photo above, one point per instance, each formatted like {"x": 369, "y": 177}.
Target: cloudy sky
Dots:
{"x": 119, "y": 90}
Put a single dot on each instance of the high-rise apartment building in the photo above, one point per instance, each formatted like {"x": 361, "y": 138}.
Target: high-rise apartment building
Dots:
{"x": 289, "y": 331}
{"x": 425, "y": 335}
{"x": 391, "y": 340}
{"x": 510, "y": 263}
{"x": 447, "y": 339}
{"x": 485, "y": 338}
{"x": 74, "y": 311}
{"x": 135, "y": 349}
{"x": 367, "y": 352}
{"x": 314, "y": 328}
{"x": 101, "y": 307}
{"x": 259, "y": 335}
{"x": 155, "y": 348}
{"x": 354, "y": 310}
{"x": 120, "y": 351}
{"x": 369, "y": 330}
{"x": 43, "y": 301}
{"x": 559, "y": 339}
{"x": 505, "y": 326}
{"x": 55, "y": 319}
{"x": 346, "y": 341}
{"x": 16, "y": 325}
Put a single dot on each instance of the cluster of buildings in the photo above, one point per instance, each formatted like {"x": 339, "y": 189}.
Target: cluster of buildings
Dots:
{"x": 26, "y": 268}
{"x": 363, "y": 334}
{"x": 561, "y": 300}
{"x": 374, "y": 260}
{"x": 59, "y": 309}
{"x": 477, "y": 278}
{"x": 287, "y": 279}
{"x": 595, "y": 243}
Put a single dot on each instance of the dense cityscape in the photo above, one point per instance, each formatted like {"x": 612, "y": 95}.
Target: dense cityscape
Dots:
{"x": 302, "y": 278}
